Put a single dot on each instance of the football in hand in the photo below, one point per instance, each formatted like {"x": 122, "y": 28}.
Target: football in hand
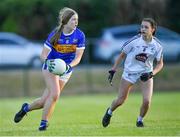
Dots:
{"x": 57, "y": 66}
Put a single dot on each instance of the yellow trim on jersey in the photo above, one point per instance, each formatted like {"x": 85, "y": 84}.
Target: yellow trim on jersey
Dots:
{"x": 65, "y": 48}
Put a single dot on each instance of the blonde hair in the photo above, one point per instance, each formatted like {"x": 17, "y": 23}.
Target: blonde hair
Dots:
{"x": 64, "y": 15}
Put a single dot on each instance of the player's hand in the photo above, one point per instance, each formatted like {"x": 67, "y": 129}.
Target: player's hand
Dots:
{"x": 146, "y": 76}
{"x": 68, "y": 67}
{"x": 50, "y": 63}
{"x": 111, "y": 75}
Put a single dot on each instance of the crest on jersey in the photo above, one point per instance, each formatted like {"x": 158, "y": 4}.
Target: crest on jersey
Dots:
{"x": 60, "y": 40}
{"x": 75, "y": 40}
{"x": 141, "y": 57}
{"x": 152, "y": 50}
{"x": 67, "y": 41}
{"x": 144, "y": 48}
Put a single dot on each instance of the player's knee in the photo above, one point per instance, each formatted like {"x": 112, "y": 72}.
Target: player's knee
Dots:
{"x": 55, "y": 96}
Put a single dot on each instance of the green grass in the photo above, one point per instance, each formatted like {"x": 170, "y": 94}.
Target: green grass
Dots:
{"x": 81, "y": 116}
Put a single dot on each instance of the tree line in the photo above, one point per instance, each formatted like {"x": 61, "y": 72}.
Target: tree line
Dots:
{"x": 34, "y": 19}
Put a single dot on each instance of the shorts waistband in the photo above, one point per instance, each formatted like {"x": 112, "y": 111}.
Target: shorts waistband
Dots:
{"x": 131, "y": 74}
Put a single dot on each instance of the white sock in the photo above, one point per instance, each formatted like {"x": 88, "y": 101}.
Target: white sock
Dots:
{"x": 110, "y": 111}
{"x": 140, "y": 118}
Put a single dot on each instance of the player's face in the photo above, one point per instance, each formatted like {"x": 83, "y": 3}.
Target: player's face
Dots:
{"x": 73, "y": 22}
{"x": 146, "y": 29}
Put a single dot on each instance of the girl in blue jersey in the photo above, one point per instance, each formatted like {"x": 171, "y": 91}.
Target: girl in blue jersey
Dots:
{"x": 139, "y": 53}
{"x": 66, "y": 42}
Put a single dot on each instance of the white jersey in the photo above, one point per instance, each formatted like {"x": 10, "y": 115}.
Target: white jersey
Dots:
{"x": 140, "y": 54}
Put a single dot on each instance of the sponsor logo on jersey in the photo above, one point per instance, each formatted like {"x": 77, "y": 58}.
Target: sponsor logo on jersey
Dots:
{"x": 65, "y": 48}
{"x": 141, "y": 57}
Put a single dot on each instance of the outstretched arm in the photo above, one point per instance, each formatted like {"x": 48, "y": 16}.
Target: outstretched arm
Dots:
{"x": 44, "y": 53}
{"x": 118, "y": 61}
{"x": 78, "y": 57}
{"x": 115, "y": 66}
{"x": 158, "y": 66}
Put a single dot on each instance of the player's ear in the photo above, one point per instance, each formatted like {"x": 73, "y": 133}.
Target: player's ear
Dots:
{"x": 153, "y": 31}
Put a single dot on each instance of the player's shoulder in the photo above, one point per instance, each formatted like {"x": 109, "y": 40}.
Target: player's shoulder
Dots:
{"x": 157, "y": 41}
{"x": 79, "y": 32}
{"x": 132, "y": 39}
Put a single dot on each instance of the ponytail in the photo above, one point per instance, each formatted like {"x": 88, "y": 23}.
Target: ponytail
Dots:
{"x": 64, "y": 16}
{"x": 54, "y": 39}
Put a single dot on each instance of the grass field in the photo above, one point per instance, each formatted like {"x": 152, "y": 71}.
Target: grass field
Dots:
{"x": 81, "y": 116}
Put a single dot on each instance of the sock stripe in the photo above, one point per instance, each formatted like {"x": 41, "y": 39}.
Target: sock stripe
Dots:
{"x": 26, "y": 108}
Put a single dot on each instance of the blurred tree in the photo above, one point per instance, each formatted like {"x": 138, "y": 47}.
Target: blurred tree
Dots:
{"x": 10, "y": 24}
{"x": 132, "y": 11}
{"x": 94, "y": 14}
{"x": 173, "y": 12}
{"x": 33, "y": 19}
{"x": 36, "y": 18}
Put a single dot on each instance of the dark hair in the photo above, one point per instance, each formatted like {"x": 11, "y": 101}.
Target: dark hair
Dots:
{"x": 64, "y": 15}
{"x": 152, "y": 22}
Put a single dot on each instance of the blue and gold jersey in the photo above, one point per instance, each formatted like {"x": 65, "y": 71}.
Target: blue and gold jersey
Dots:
{"x": 67, "y": 45}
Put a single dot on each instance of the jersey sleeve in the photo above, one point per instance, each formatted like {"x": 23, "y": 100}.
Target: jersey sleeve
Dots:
{"x": 81, "y": 41}
{"x": 47, "y": 43}
{"x": 126, "y": 48}
{"x": 128, "y": 45}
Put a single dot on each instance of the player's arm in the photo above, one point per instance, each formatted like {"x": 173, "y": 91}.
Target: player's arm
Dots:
{"x": 115, "y": 66}
{"x": 158, "y": 66}
{"x": 159, "y": 63}
{"x": 118, "y": 60}
{"x": 44, "y": 53}
{"x": 79, "y": 53}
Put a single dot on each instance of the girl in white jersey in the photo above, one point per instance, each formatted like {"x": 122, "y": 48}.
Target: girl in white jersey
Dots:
{"x": 66, "y": 42}
{"x": 140, "y": 52}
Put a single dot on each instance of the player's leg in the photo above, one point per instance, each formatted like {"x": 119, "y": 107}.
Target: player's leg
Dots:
{"x": 64, "y": 79}
{"x": 52, "y": 83}
{"x": 147, "y": 90}
{"x": 52, "y": 98}
{"x": 124, "y": 89}
{"x": 37, "y": 104}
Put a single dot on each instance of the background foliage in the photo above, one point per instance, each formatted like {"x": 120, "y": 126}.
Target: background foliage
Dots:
{"x": 35, "y": 18}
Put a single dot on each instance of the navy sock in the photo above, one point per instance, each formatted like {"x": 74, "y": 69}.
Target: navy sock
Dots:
{"x": 26, "y": 108}
{"x": 43, "y": 123}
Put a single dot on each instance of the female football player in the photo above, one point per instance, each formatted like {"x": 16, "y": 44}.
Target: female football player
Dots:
{"x": 66, "y": 42}
{"x": 139, "y": 53}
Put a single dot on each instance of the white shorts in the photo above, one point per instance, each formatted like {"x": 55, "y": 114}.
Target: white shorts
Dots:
{"x": 131, "y": 77}
{"x": 65, "y": 77}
